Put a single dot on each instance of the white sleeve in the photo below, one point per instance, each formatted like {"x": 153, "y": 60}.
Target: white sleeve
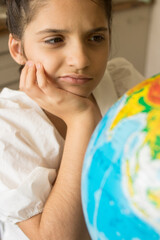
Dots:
{"x": 28, "y": 198}
{"x": 30, "y": 153}
{"x": 105, "y": 93}
{"x": 123, "y": 74}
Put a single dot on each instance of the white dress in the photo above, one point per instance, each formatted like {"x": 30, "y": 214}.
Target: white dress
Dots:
{"x": 30, "y": 154}
{"x": 31, "y": 148}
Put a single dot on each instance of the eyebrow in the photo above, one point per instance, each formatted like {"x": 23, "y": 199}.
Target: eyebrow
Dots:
{"x": 50, "y": 30}
{"x": 99, "y": 29}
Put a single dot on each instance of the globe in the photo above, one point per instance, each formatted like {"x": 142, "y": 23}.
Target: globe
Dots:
{"x": 121, "y": 170}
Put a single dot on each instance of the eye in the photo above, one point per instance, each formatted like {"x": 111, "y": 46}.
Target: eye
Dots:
{"x": 54, "y": 40}
{"x": 97, "y": 38}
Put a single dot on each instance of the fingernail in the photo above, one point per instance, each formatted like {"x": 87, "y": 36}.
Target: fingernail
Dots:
{"x": 38, "y": 65}
{"x": 29, "y": 63}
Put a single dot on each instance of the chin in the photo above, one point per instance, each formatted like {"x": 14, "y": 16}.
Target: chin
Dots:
{"x": 78, "y": 92}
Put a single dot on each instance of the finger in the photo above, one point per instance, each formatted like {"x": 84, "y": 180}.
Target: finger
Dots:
{"x": 46, "y": 85}
{"x": 41, "y": 77}
{"x": 23, "y": 76}
{"x": 31, "y": 76}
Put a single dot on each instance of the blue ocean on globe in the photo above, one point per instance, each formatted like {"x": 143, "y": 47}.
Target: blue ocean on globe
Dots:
{"x": 108, "y": 210}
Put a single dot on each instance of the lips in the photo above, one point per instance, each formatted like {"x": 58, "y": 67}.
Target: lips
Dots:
{"x": 75, "y": 79}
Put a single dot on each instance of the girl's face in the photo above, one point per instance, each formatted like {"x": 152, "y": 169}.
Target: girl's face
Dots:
{"x": 71, "y": 39}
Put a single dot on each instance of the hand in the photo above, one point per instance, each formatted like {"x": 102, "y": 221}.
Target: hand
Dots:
{"x": 81, "y": 116}
{"x": 65, "y": 105}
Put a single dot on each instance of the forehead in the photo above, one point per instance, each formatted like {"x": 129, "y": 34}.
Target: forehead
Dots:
{"x": 70, "y": 12}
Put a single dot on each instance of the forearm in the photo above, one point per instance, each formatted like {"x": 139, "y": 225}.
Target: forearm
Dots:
{"x": 62, "y": 217}
{"x": 67, "y": 217}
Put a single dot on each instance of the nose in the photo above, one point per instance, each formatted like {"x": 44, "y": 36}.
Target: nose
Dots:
{"x": 78, "y": 55}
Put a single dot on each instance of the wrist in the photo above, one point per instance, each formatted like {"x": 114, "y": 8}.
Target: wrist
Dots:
{"x": 86, "y": 120}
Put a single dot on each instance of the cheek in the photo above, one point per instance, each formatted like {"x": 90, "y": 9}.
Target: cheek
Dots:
{"x": 101, "y": 63}
{"x": 52, "y": 66}
{"x": 50, "y": 62}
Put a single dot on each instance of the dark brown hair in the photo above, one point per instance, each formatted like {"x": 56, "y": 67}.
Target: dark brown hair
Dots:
{"x": 21, "y": 12}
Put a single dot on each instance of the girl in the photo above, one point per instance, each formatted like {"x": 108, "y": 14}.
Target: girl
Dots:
{"x": 63, "y": 47}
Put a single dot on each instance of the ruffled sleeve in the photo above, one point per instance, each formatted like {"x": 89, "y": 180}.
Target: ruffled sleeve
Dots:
{"x": 30, "y": 154}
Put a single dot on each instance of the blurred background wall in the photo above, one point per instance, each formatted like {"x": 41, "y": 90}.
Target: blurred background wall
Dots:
{"x": 135, "y": 33}
{"x": 152, "y": 63}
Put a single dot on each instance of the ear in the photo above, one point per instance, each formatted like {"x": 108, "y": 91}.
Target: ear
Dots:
{"x": 16, "y": 51}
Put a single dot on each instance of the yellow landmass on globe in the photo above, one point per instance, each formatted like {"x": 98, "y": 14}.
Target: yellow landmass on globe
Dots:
{"x": 144, "y": 98}
{"x": 154, "y": 196}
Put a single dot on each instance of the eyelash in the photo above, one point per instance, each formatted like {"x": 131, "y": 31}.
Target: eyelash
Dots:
{"x": 97, "y": 38}
{"x": 50, "y": 41}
